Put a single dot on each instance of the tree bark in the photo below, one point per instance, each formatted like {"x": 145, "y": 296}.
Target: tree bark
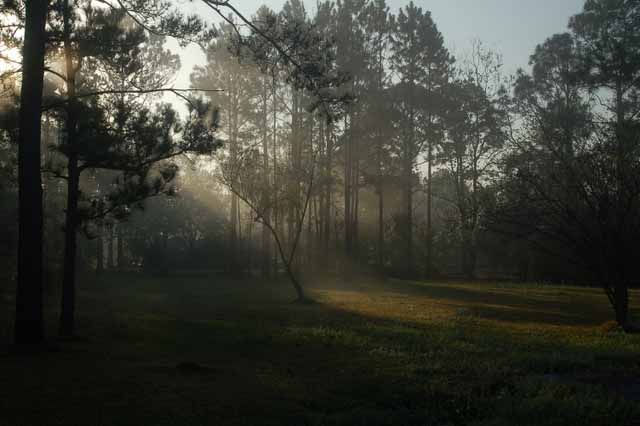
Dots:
{"x": 67, "y": 312}
{"x": 29, "y": 318}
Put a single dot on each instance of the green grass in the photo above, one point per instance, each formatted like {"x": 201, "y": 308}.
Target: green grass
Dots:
{"x": 203, "y": 351}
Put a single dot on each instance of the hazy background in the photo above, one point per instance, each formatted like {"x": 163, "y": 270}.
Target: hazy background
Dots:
{"x": 512, "y": 27}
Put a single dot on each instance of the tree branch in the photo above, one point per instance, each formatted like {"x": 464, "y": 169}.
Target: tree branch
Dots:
{"x": 177, "y": 92}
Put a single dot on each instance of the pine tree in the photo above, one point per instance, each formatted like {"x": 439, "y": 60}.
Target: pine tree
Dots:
{"x": 376, "y": 110}
{"x": 134, "y": 141}
{"x": 422, "y": 64}
{"x": 29, "y": 315}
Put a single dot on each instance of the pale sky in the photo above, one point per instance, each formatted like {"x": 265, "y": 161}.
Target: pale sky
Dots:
{"x": 512, "y": 27}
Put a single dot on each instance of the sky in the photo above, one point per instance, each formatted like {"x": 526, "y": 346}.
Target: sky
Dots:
{"x": 511, "y": 27}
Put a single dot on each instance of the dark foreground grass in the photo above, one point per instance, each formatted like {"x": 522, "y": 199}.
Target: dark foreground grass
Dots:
{"x": 202, "y": 351}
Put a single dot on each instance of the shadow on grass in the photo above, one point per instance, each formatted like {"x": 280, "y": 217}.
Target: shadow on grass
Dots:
{"x": 205, "y": 351}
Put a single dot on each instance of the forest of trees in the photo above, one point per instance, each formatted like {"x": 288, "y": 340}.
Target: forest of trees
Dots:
{"x": 337, "y": 144}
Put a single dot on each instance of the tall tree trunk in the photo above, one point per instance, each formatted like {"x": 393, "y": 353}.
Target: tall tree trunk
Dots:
{"x": 348, "y": 196}
{"x": 70, "y": 248}
{"x": 408, "y": 197}
{"x": 110, "y": 260}
{"x": 321, "y": 199}
{"x": 380, "y": 194}
{"x": 380, "y": 251}
{"x": 328, "y": 195}
{"x": 276, "y": 211}
{"x": 234, "y": 244}
{"x": 99, "y": 252}
{"x": 309, "y": 267}
{"x": 429, "y": 264}
{"x": 623, "y": 159}
{"x": 380, "y": 260}
{"x": 409, "y": 218}
{"x": 622, "y": 304}
{"x": 266, "y": 235}
{"x": 73, "y": 189}
{"x": 356, "y": 203}
{"x": 296, "y": 162}
{"x": 475, "y": 211}
{"x": 48, "y": 263}
{"x": 468, "y": 252}
{"x": 29, "y": 318}
{"x": 120, "y": 258}
{"x": 310, "y": 255}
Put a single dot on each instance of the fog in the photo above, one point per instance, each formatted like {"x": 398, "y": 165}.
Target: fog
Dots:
{"x": 394, "y": 189}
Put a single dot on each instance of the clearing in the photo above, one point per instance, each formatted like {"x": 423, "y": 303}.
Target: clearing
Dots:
{"x": 197, "y": 350}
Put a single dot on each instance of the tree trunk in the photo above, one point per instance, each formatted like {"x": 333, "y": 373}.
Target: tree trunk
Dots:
{"x": 356, "y": 206}
{"x": 266, "y": 252}
{"x": 70, "y": 247}
{"x": 287, "y": 261}
{"x": 380, "y": 251}
{"x": 295, "y": 219}
{"x": 233, "y": 123}
{"x": 274, "y": 126}
{"x": 408, "y": 206}
{"x": 99, "y": 253}
{"x": 233, "y": 237}
{"x": 322, "y": 200}
{"x": 328, "y": 194}
{"x": 347, "y": 192}
{"x": 429, "y": 265}
{"x": 408, "y": 194}
{"x": 110, "y": 260}
{"x": 29, "y": 318}
{"x": 309, "y": 267}
{"x": 73, "y": 188}
{"x": 468, "y": 254}
{"x": 120, "y": 258}
{"x": 349, "y": 198}
{"x": 621, "y": 304}
{"x": 380, "y": 193}
{"x": 409, "y": 224}
{"x": 266, "y": 235}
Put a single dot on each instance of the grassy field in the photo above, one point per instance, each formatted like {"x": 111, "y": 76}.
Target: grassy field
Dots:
{"x": 203, "y": 351}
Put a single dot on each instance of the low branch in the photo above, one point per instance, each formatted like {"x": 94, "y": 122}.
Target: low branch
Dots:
{"x": 177, "y": 92}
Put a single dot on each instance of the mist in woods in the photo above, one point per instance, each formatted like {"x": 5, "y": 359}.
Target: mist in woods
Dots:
{"x": 334, "y": 188}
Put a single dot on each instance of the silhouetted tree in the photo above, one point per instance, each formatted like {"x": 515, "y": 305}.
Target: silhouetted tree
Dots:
{"x": 29, "y": 316}
{"x": 574, "y": 160}
{"x": 474, "y": 141}
{"x": 422, "y": 64}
